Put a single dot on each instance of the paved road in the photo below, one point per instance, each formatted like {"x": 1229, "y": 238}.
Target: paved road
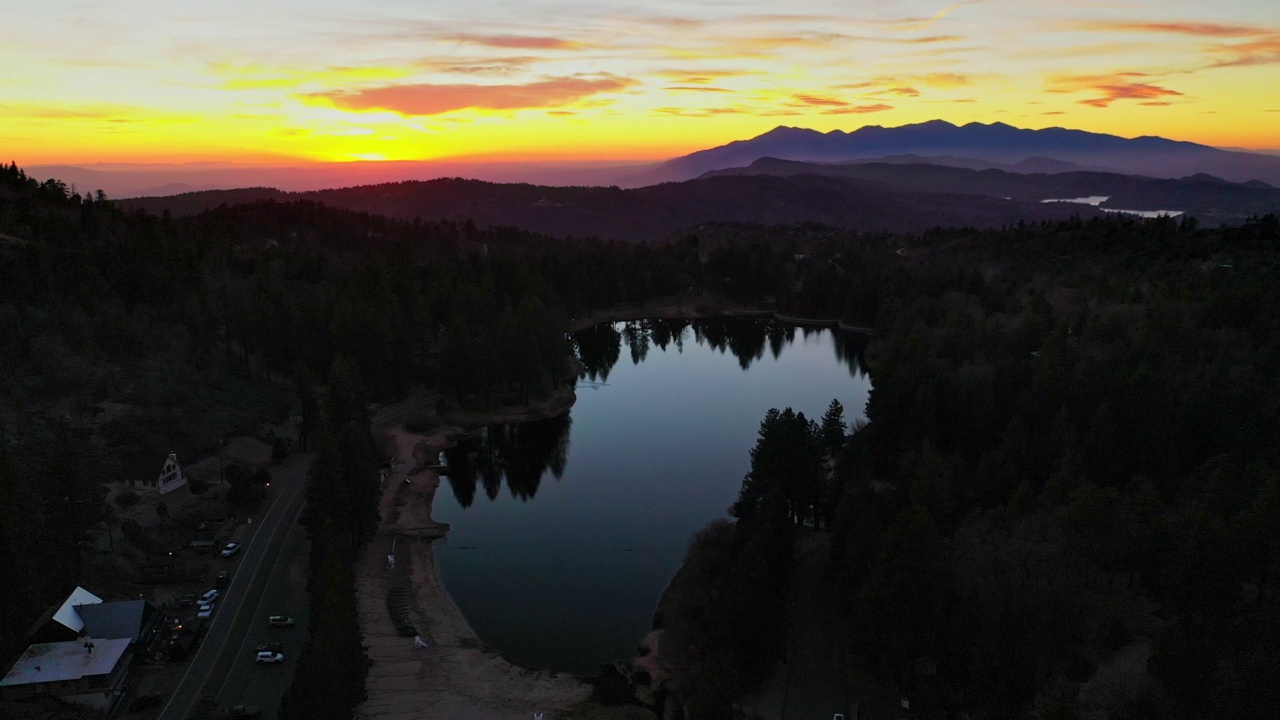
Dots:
{"x": 236, "y": 620}
{"x": 270, "y": 579}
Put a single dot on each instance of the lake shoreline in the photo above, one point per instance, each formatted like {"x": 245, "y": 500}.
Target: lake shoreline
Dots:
{"x": 703, "y": 310}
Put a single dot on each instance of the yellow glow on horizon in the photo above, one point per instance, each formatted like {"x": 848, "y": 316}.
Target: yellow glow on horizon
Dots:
{"x": 616, "y": 82}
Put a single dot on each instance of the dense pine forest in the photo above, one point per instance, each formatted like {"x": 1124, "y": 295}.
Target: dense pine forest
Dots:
{"x": 1070, "y": 460}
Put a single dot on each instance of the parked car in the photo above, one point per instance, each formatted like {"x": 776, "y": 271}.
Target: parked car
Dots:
{"x": 205, "y": 612}
{"x": 243, "y": 711}
{"x": 271, "y": 647}
{"x": 209, "y": 596}
{"x": 142, "y": 702}
{"x": 222, "y": 579}
{"x": 280, "y": 621}
{"x": 230, "y": 549}
{"x": 270, "y": 657}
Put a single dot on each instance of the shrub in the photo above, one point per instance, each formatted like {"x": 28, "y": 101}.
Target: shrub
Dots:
{"x": 131, "y": 529}
{"x": 236, "y": 473}
{"x": 245, "y": 493}
{"x": 419, "y": 423}
{"x": 126, "y": 498}
{"x": 279, "y": 449}
{"x": 262, "y": 476}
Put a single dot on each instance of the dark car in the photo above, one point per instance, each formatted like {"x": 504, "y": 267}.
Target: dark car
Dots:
{"x": 243, "y": 711}
{"x": 222, "y": 579}
{"x": 142, "y": 702}
{"x": 271, "y": 647}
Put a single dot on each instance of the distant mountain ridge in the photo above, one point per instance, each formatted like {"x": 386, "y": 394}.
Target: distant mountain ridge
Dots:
{"x": 655, "y": 212}
{"x": 995, "y": 142}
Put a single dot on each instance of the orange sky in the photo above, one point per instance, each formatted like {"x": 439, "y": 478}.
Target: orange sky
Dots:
{"x": 290, "y": 81}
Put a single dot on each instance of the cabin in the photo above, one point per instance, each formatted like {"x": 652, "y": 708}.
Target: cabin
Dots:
{"x": 171, "y": 477}
{"x": 84, "y": 614}
{"x": 88, "y": 673}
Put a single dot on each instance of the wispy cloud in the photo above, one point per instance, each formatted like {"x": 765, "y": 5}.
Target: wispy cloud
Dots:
{"x": 697, "y": 88}
{"x": 254, "y": 76}
{"x": 1198, "y": 29}
{"x": 499, "y": 65}
{"x": 942, "y": 80}
{"x": 858, "y": 109}
{"x": 922, "y": 23}
{"x": 435, "y": 99}
{"x": 1110, "y": 88}
{"x": 516, "y": 42}
{"x": 700, "y": 112}
{"x": 905, "y": 85}
{"x": 699, "y": 76}
{"x": 64, "y": 112}
{"x": 1264, "y": 51}
{"x": 815, "y": 101}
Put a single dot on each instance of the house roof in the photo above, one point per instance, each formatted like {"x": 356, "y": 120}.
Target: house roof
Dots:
{"x": 122, "y": 619}
{"x": 57, "y": 662}
{"x": 67, "y": 615}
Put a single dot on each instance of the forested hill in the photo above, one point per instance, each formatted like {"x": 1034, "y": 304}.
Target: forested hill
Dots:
{"x": 1066, "y": 502}
{"x": 657, "y": 212}
{"x": 1211, "y": 200}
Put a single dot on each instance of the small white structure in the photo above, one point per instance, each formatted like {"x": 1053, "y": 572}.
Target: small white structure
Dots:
{"x": 171, "y": 477}
{"x": 67, "y": 614}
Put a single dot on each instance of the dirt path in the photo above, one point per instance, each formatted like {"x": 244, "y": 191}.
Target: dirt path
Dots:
{"x": 456, "y": 676}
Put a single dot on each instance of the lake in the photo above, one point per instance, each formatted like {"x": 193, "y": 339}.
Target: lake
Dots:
{"x": 565, "y": 531}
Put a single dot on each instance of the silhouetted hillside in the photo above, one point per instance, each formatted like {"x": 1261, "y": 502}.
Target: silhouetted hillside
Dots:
{"x": 1211, "y": 199}
{"x": 655, "y": 212}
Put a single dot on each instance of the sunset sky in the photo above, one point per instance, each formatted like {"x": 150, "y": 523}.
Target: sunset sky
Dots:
{"x": 273, "y": 81}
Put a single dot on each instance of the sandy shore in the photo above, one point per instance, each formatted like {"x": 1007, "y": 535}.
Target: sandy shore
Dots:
{"x": 456, "y": 676}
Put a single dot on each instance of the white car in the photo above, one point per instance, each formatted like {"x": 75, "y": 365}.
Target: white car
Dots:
{"x": 266, "y": 656}
{"x": 230, "y": 549}
{"x": 206, "y": 612}
{"x": 209, "y": 596}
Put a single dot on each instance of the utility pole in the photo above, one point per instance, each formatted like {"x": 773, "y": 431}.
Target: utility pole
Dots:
{"x": 222, "y": 475}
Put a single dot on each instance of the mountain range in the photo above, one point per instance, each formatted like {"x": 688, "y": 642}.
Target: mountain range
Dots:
{"x": 995, "y": 143}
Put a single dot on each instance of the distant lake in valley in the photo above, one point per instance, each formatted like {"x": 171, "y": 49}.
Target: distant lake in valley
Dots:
{"x": 565, "y": 531}
{"x": 1097, "y": 200}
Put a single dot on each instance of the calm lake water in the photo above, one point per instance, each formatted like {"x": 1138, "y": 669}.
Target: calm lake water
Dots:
{"x": 566, "y": 531}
